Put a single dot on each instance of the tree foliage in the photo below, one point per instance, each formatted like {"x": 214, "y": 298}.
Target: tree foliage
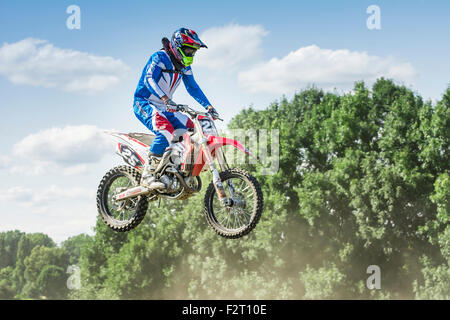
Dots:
{"x": 363, "y": 179}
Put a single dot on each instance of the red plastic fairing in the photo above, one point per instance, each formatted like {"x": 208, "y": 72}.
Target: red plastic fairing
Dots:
{"x": 195, "y": 160}
{"x": 216, "y": 142}
{"x": 198, "y": 164}
{"x": 187, "y": 161}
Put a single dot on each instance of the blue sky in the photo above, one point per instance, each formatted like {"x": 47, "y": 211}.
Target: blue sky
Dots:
{"x": 258, "y": 51}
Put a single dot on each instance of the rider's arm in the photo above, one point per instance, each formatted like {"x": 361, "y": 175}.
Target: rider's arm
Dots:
{"x": 153, "y": 74}
{"x": 193, "y": 88}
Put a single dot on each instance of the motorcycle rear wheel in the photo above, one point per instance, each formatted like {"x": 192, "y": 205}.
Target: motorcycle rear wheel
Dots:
{"x": 122, "y": 215}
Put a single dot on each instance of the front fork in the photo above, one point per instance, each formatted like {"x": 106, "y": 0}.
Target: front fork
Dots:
{"x": 216, "y": 176}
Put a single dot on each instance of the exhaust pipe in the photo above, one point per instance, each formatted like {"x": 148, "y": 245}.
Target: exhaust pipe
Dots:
{"x": 131, "y": 193}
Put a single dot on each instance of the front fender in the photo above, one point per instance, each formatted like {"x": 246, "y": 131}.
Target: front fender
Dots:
{"x": 215, "y": 142}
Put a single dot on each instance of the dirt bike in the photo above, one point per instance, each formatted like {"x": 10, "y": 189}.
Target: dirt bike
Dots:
{"x": 233, "y": 202}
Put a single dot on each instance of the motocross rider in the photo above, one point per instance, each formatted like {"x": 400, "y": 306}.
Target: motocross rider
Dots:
{"x": 153, "y": 104}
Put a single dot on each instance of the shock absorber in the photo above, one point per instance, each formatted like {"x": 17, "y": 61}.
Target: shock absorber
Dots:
{"x": 219, "y": 187}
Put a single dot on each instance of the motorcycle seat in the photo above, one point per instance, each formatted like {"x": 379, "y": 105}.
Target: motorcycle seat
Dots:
{"x": 143, "y": 137}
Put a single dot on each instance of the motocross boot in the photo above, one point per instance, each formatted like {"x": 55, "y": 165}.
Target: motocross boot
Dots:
{"x": 148, "y": 178}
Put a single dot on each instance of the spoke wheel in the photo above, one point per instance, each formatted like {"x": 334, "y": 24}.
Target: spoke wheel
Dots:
{"x": 120, "y": 215}
{"x": 244, "y": 212}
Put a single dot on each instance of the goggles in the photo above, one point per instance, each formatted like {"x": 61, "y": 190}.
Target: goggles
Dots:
{"x": 188, "y": 51}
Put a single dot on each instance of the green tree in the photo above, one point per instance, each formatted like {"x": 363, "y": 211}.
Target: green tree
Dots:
{"x": 6, "y": 285}
{"x": 9, "y": 242}
{"x": 72, "y": 247}
{"x": 39, "y": 259}
{"x": 51, "y": 282}
{"x": 363, "y": 180}
{"x": 25, "y": 245}
{"x": 323, "y": 283}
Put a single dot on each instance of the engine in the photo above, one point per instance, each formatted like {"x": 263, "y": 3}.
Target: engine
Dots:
{"x": 171, "y": 181}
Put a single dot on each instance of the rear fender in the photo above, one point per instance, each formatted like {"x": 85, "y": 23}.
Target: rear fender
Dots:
{"x": 131, "y": 150}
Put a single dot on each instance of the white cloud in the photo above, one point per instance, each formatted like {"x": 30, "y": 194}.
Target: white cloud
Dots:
{"x": 41, "y": 198}
{"x": 4, "y": 161}
{"x": 16, "y": 194}
{"x": 76, "y": 169}
{"x": 325, "y": 67}
{"x": 230, "y": 46}
{"x": 39, "y": 63}
{"x": 56, "y": 193}
{"x": 68, "y": 150}
{"x": 59, "y": 219}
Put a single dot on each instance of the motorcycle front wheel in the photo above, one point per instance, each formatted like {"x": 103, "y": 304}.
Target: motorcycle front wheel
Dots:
{"x": 121, "y": 215}
{"x": 244, "y": 212}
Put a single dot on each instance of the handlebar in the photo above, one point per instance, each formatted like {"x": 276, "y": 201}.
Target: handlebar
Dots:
{"x": 193, "y": 113}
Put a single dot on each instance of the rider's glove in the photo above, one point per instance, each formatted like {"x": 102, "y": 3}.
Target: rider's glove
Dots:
{"x": 170, "y": 105}
{"x": 213, "y": 112}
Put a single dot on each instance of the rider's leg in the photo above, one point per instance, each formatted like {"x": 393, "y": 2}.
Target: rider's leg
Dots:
{"x": 179, "y": 120}
{"x": 163, "y": 125}
{"x": 148, "y": 178}
{"x": 156, "y": 121}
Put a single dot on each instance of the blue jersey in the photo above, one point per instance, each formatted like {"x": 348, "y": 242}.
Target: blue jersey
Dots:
{"x": 154, "y": 83}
